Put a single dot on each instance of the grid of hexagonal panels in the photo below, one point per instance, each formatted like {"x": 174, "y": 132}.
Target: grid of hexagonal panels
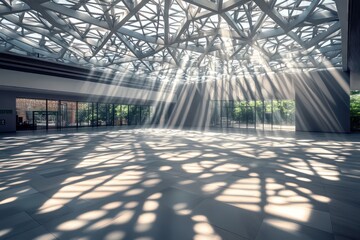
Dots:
{"x": 171, "y": 40}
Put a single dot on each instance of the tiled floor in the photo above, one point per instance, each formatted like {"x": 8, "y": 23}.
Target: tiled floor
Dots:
{"x": 171, "y": 184}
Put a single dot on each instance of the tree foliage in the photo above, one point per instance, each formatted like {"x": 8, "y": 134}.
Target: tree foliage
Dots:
{"x": 282, "y": 110}
{"x": 355, "y": 103}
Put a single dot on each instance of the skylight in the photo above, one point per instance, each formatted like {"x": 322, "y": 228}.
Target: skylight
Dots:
{"x": 176, "y": 40}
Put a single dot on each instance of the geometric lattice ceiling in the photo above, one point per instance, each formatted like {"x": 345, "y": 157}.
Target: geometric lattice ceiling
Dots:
{"x": 168, "y": 40}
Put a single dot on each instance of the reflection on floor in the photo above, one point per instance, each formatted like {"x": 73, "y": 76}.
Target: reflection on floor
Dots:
{"x": 172, "y": 184}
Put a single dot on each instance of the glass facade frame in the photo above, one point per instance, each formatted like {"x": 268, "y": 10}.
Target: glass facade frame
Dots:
{"x": 34, "y": 114}
{"x": 253, "y": 114}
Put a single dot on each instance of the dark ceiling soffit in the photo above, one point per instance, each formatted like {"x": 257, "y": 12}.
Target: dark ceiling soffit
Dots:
{"x": 31, "y": 65}
{"x": 343, "y": 8}
{"x": 354, "y": 36}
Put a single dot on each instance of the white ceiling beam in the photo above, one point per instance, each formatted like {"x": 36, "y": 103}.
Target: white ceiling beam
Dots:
{"x": 320, "y": 37}
{"x": 231, "y": 4}
{"x": 205, "y": 4}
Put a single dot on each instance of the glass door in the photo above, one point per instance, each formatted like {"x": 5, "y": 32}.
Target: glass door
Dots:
{"x": 250, "y": 114}
{"x": 68, "y": 114}
{"x": 39, "y": 118}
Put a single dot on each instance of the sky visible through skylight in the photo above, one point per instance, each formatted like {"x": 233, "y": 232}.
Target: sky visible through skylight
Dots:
{"x": 176, "y": 40}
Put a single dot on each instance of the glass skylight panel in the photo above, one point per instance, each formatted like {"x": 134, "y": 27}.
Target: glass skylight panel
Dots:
{"x": 16, "y": 50}
{"x": 74, "y": 21}
{"x": 94, "y": 8}
{"x": 291, "y": 9}
{"x": 268, "y": 24}
{"x": 93, "y": 34}
{"x": 271, "y": 46}
{"x": 64, "y": 2}
{"x": 7, "y": 24}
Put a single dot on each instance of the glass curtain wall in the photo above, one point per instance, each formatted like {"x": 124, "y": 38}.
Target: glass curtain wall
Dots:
{"x": 216, "y": 113}
{"x": 261, "y": 115}
{"x": 277, "y": 120}
{"x": 53, "y": 114}
{"x": 251, "y": 114}
{"x": 355, "y": 110}
{"x": 84, "y": 114}
{"x": 224, "y": 114}
{"x": 30, "y": 114}
{"x": 134, "y": 115}
{"x": 121, "y": 114}
{"x": 68, "y": 114}
{"x": 152, "y": 114}
{"x": 288, "y": 114}
{"x": 145, "y": 115}
{"x": 268, "y": 115}
{"x": 229, "y": 114}
{"x": 240, "y": 114}
{"x": 283, "y": 114}
{"x": 105, "y": 114}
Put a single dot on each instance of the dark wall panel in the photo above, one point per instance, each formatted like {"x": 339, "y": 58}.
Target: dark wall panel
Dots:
{"x": 7, "y": 112}
{"x": 322, "y": 102}
{"x": 354, "y": 44}
{"x": 192, "y": 109}
{"x": 354, "y": 36}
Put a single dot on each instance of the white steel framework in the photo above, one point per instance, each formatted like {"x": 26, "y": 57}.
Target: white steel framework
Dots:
{"x": 172, "y": 40}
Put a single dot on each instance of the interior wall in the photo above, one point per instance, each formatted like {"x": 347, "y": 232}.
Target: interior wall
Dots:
{"x": 192, "y": 110}
{"x": 7, "y": 112}
{"x": 323, "y": 101}
{"x": 343, "y": 13}
{"x": 354, "y": 44}
{"x": 355, "y": 80}
{"x": 38, "y": 94}
{"x": 17, "y": 84}
{"x": 251, "y": 87}
{"x": 322, "y": 98}
{"x": 31, "y": 82}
